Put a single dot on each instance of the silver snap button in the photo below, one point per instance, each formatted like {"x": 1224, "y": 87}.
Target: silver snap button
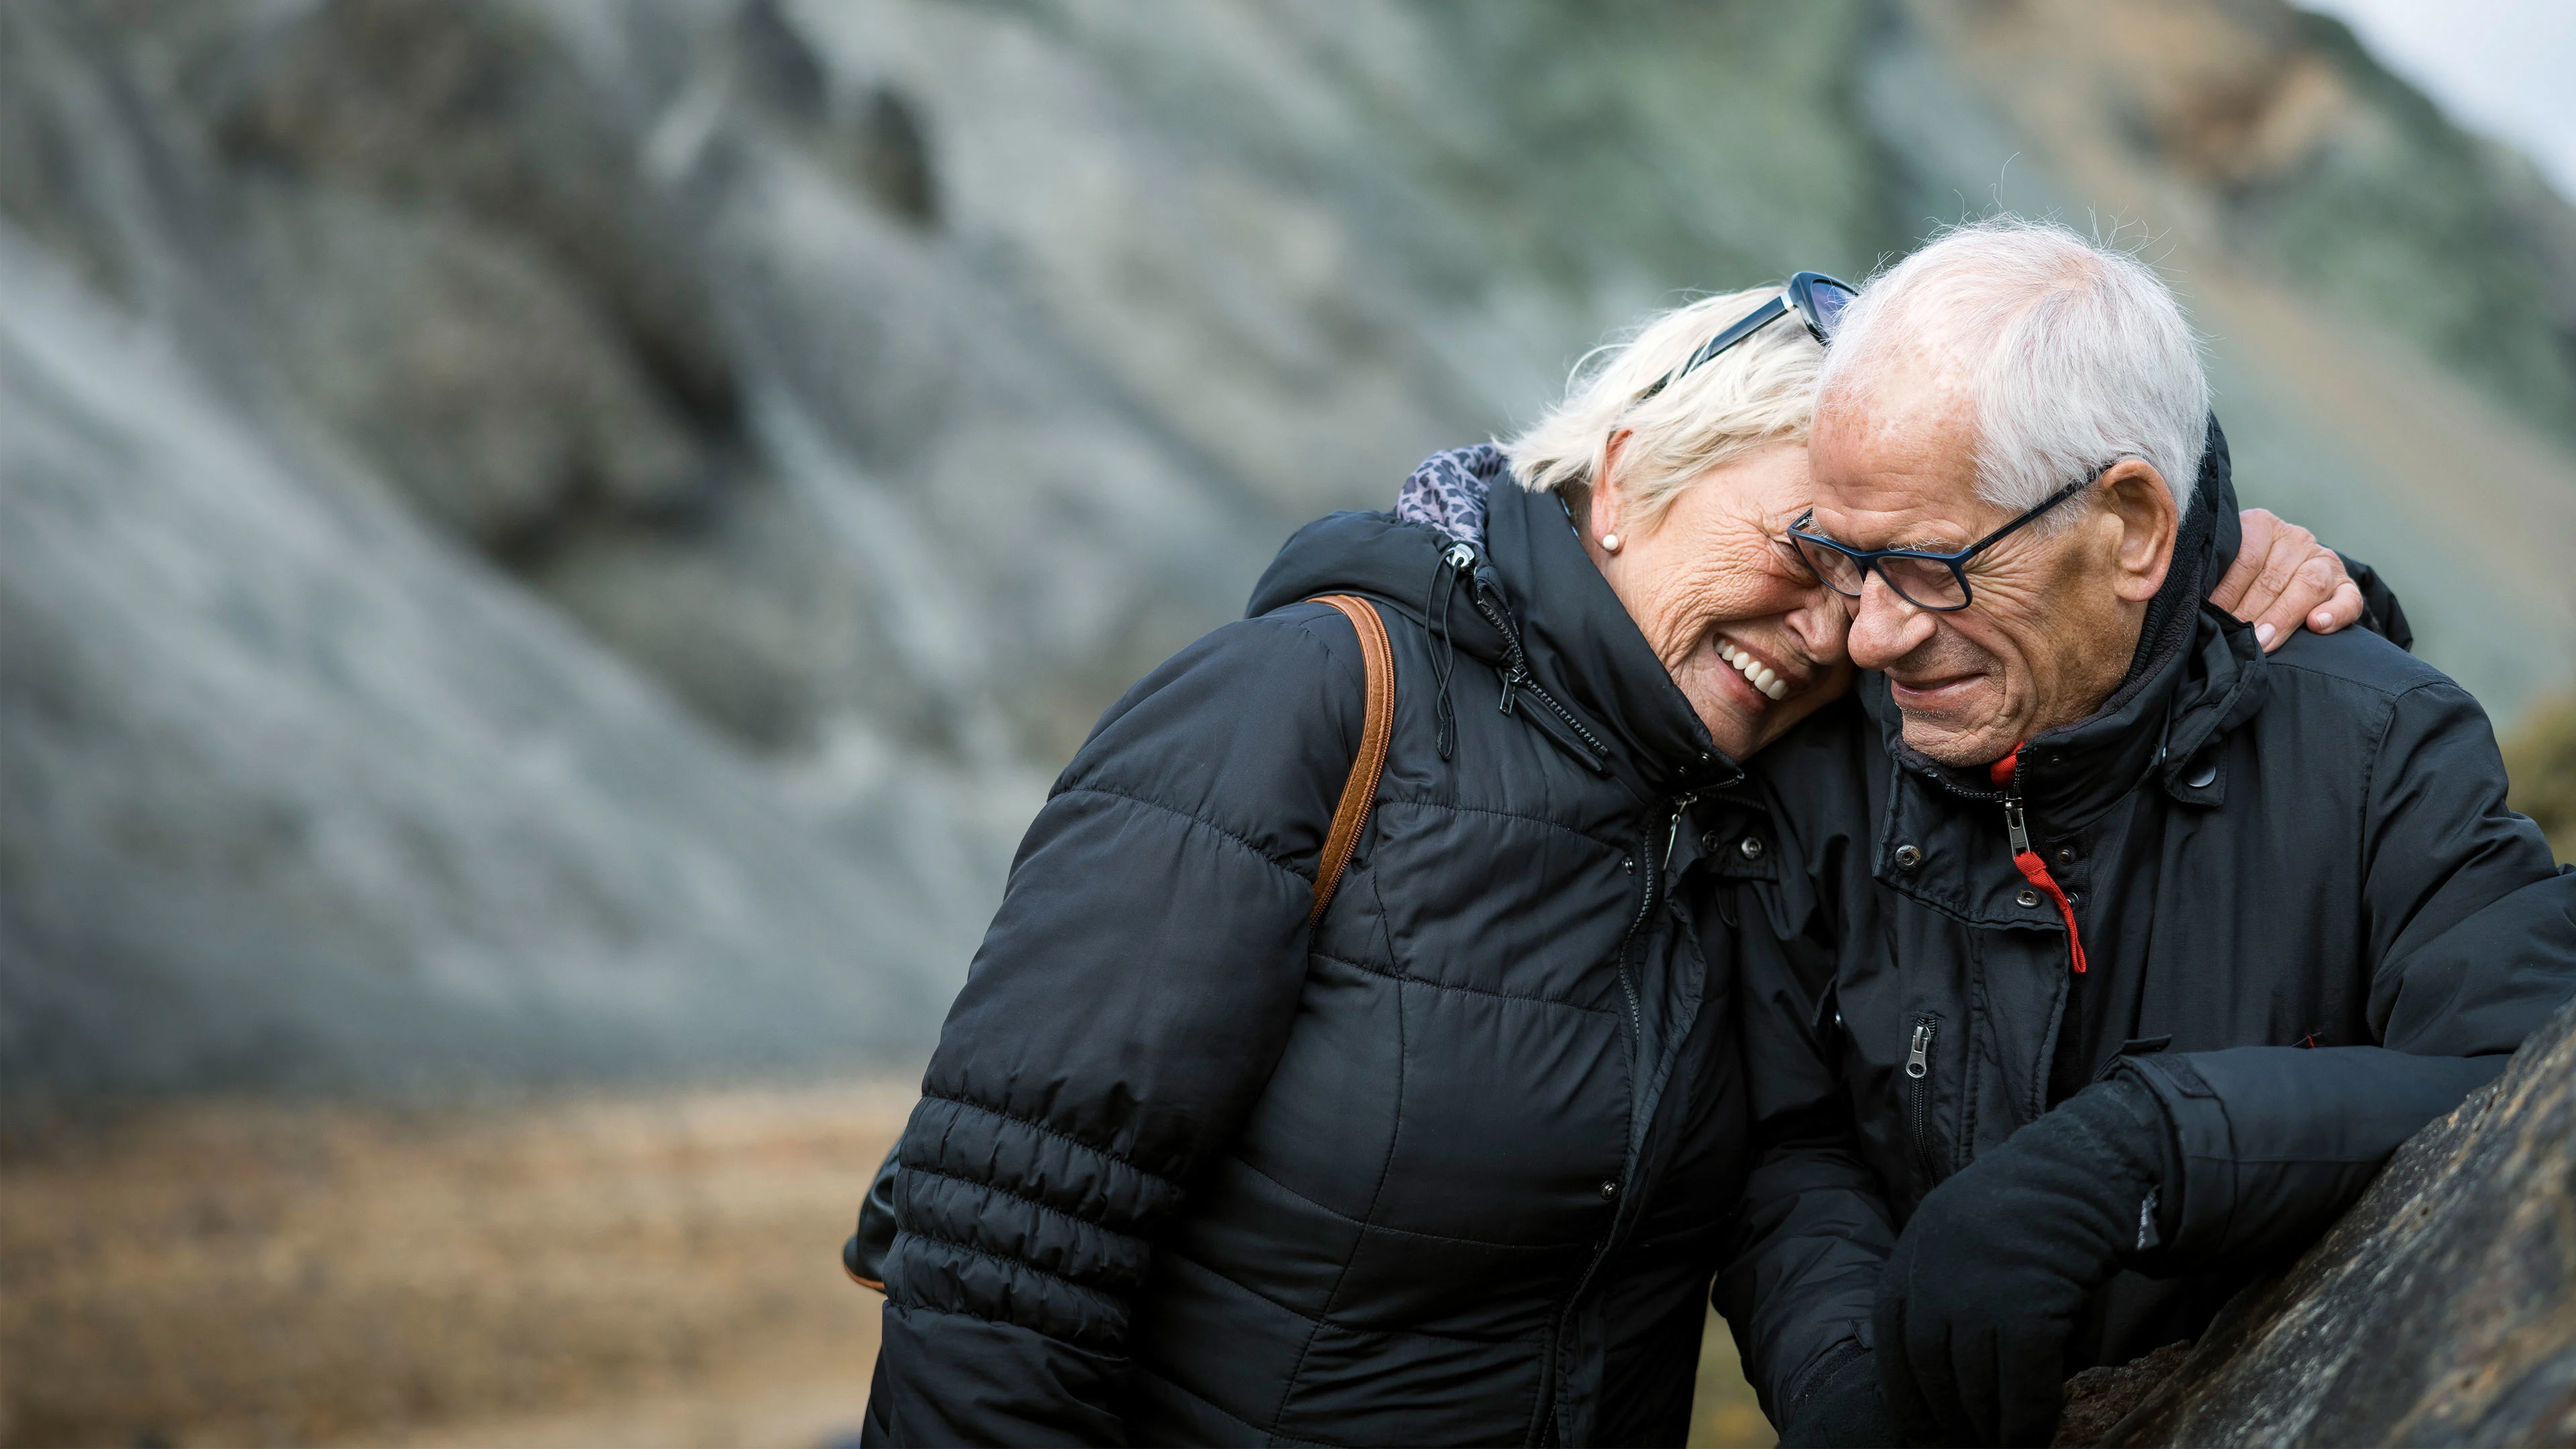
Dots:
{"x": 1609, "y": 1190}
{"x": 1750, "y": 847}
{"x": 1907, "y": 857}
{"x": 2028, "y": 897}
{"x": 2066, "y": 855}
{"x": 1708, "y": 841}
{"x": 2201, "y": 777}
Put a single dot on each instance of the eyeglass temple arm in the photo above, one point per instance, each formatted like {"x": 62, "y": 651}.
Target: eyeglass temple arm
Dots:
{"x": 2045, "y": 504}
{"x": 1754, "y": 321}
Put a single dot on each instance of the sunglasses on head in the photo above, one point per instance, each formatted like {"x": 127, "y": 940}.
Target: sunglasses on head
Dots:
{"x": 1817, "y": 299}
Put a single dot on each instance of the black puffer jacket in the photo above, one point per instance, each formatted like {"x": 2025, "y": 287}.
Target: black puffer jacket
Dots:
{"x": 2310, "y": 925}
{"x": 1450, "y": 1169}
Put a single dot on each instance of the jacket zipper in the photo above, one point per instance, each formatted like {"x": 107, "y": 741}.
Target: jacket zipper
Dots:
{"x": 1653, "y": 867}
{"x": 1558, "y": 723}
{"x": 2007, "y": 773}
{"x": 1918, "y": 1095}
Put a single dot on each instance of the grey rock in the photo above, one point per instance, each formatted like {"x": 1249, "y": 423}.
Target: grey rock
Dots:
{"x": 2437, "y": 1312}
{"x": 577, "y": 447}
{"x": 301, "y": 797}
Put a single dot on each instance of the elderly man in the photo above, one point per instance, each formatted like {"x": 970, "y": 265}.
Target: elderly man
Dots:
{"x": 2112, "y": 955}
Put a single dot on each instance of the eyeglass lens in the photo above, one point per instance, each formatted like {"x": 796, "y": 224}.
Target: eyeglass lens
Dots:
{"x": 1840, "y": 571}
{"x": 1924, "y": 583}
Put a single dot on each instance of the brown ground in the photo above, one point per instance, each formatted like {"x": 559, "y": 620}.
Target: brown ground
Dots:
{"x": 650, "y": 1270}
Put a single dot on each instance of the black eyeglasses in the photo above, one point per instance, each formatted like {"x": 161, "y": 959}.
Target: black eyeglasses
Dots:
{"x": 1934, "y": 581}
{"x": 1816, "y": 298}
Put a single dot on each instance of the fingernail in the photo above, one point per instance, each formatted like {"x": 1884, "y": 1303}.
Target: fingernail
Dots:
{"x": 2263, "y": 634}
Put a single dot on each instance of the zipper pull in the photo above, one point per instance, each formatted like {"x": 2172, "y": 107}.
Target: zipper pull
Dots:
{"x": 1915, "y": 1057}
{"x": 2027, "y": 861}
{"x": 2006, "y": 772}
{"x": 1511, "y": 678}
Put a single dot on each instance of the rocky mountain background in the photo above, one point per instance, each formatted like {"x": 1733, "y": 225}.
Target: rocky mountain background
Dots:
{"x": 563, "y": 539}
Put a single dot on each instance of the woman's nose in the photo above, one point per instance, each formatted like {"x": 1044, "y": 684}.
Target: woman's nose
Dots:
{"x": 1823, "y": 626}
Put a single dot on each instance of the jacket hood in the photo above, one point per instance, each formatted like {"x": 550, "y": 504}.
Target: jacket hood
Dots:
{"x": 1525, "y": 563}
{"x": 2196, "y": 672}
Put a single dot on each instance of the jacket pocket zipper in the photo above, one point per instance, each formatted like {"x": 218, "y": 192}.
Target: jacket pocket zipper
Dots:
{"x": 1553, "y": 720}
{"x": 1918, "y": 1094}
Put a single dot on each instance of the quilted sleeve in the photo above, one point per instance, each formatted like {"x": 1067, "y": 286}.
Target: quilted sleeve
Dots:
{"x": 1126, "y": 1008}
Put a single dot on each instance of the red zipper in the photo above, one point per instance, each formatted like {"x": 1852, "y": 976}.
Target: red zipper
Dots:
{"x": 2005, "y": 772}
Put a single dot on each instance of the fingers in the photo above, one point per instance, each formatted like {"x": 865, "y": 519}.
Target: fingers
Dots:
{"x": 2339, "y": 612}
{"x": 2258, "y": 525}
{"x": 2290, "y": 549}
{"x": 2306, "y": 588}
{"x": 1945, "y": 1343}
{"x": 2294, "y": 582}
{"x": 1927, "y": 1377}
{"x": 2031, "y": 1384}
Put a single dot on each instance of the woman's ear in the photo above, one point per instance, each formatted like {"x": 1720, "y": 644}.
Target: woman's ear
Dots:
{"x": 1609, "y": 501}
{"x": 2136, "y": 495}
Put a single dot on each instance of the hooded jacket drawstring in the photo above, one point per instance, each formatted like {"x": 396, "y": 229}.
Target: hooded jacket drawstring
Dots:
{"x": 1444, "y": 654}
{"x": 2005, "y": 773}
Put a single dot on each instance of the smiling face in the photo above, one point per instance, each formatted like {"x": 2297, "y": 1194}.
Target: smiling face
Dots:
{"x": 2054, "y": 616}
{"x": 1754, "y": 642}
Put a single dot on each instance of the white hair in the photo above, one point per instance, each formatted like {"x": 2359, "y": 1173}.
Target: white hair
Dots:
{"x": 2075, "y": 356}
{"x": 1760, "y": 391}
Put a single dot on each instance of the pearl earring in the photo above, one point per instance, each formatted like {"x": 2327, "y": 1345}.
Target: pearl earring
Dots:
{"x": 1609, "y": 543}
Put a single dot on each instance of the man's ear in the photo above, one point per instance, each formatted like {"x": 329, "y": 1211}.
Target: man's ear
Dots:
{"x": 2135, "y": 493}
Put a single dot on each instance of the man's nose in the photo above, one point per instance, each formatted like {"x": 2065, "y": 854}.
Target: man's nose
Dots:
{"x": 1885, "y": 628}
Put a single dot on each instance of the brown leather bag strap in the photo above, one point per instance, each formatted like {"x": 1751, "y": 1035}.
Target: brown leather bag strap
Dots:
{"x": 1360, "y": 791}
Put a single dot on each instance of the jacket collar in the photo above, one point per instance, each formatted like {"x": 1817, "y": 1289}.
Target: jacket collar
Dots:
{"x": 1579, "y": 642}
{"x": 1586, "y": 650}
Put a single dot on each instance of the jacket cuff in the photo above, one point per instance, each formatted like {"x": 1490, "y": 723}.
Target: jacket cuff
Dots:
{"x": 2271, "y": 1144}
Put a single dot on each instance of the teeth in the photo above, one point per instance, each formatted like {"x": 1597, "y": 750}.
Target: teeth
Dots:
{"x": 1755, "y": 672}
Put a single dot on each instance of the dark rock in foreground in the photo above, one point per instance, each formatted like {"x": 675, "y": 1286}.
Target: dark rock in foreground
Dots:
{"x": 2441, "y": 1310}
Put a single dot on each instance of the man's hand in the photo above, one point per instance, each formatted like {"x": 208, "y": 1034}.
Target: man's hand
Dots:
{"x": 2282, "y": 579}
{"x": 1993, "y": 1271}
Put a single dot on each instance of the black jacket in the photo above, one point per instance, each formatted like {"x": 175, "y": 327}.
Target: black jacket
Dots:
{"x": 2306, "y": 854}
{"x": 1450, "y": 1169}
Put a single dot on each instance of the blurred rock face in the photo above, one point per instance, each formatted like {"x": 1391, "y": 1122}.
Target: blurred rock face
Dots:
{"x": 550, "y": 536}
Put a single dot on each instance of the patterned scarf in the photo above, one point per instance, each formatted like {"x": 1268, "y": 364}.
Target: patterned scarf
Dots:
{"x": 1447, "y": 492}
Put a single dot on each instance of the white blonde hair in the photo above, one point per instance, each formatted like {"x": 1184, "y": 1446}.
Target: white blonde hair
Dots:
{"x": 2075, "y": 355}
{"x": 1759, "y": 391}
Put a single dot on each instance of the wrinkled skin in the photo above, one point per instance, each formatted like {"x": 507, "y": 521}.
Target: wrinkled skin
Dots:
{"x": 1715, "y": 571}
{"x": 2057, "y": 605}
{"x": 1712, "y": 573}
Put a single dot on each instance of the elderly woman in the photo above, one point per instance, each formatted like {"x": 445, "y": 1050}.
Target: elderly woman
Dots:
{"x": 1200, "y": 1160}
